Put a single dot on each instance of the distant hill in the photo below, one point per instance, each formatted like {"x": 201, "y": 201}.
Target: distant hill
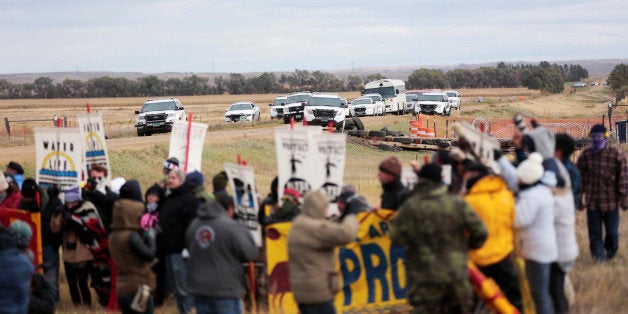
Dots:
{"x": 595, "y": 67}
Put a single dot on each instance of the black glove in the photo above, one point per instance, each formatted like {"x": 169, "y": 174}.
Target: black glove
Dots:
{"x": 497, "y": 154}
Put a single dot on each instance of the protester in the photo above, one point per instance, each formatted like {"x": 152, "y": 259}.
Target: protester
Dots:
{"x": 98, "y": 193}
{"x": 42, "y": 300}
{"x": 311, "y": 243}
{"x": 226, "y": 201}
{"x": 77, "y": 258}
{"x": 170, "y": 164}
{"x": 132, "y": 249}
{"x": 605, "y": 190}
{"x": 175, "y": 216}
{"x": 534, "y": 221}
{"x": 219, "y": 183}
{"x": 34, "y": 197}
{"x": 390, "y": 177}
{"x": 195, "y": 179}
{"x": 350, "y": 202}
{"x": 51, "y": 241}
{"x": 22, "y": 234}
{"x": 218, "y": 246}
{"x": 155, "y": 198}
{"x": 489, "y": 197}
{"x": 10, "y": 195}
{"x": 15, "y": 276}
{"x": 565, "y": 146}
{"x": 289, "y": 209}
{"x": 15, "y": 169}
{"x": 437, "y": 229}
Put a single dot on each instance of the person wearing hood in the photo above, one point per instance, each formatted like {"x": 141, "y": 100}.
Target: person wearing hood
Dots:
{"x": 311, "y": 244}
{"x": 437, "y": 229}
{"x": 195, "y": 179}
{"x": 132, "y": 249}
{"x": 175, "y": 216}
{"x": 350, "y": 202}
{"x": 15, "y": 276}
{"x": 154, "y": 198}
{"x": 489, "y": 197}
{"x": 389, "y": 176}
{"x": 34, "y": 197}
{"x": 218, "y": 246}
{"x": 604, "y": 190}
{"x": 534, "y": 221}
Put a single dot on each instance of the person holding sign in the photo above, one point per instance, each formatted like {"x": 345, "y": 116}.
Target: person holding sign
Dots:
{"x": 311, "y": 242}
{"x": 390, "y": 177}
{"x": 437, "y": 229}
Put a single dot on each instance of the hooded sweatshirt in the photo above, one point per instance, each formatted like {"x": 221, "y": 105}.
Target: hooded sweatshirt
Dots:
{"x": 218, "y": 246}
{"x": 128, "y": 250}
{"x": 545, "y": 144}
{"x": 311, "y": 243}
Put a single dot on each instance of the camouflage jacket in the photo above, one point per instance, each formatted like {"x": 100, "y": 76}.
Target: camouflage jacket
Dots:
{"x": 437, "y": 230}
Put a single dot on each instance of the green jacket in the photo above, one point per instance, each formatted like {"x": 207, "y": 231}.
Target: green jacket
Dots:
{"x": 437, "y": 230}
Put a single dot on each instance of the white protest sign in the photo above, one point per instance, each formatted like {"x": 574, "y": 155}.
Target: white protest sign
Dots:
{"x": 297, "y": 160}
{"x": 94, "y": 144}
{"x": 331, "y": 151}
{"x": 483, "y": 145}
{"x": 179, "y": 144}
{"x": 242, "y": 182}
{"x": 59, "y": 156}
{"x": 409, "y": 178}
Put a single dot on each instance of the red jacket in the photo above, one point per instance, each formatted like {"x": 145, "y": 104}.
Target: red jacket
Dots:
{"x": 11, "y": 201}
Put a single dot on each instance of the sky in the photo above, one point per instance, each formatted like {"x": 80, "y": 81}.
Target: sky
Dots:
{"x": 155, "y": 36}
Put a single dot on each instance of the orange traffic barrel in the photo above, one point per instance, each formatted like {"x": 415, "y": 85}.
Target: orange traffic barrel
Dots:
{"x": 430, "y": 132}
{"x": 414, "y": 128}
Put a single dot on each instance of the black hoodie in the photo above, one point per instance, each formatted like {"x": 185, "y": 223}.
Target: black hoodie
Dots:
{"x": 174, "y": 217}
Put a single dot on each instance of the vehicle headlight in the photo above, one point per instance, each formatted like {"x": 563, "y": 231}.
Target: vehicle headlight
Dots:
{"x": 170, "y": 115}
{"x": 141, "y": 119}
{"x": 340, "y": 112}
{"x": 310, "y": 111}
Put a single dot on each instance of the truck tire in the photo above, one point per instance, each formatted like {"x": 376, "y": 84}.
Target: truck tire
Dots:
{"x": 377, "y": 133}
{"x": 140, "y": 133}
{"x": 352, "y": 132}
{"x": 388, "y": 148}
{"x": 358, "y": 123}
{"x": 362, "y": 133}
{"x": 403, "y": 140}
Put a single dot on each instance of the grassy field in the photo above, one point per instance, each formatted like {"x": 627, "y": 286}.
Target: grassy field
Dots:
{"x": 600, "y": 288}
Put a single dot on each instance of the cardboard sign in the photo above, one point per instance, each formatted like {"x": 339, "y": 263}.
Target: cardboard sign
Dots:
{"x": 483, "y": 145}
{"x": 297, "y": 159}
{"x": 179, "y": 144}
{"x": 94, "y": 144}
{"x": 59, "y": 156}
{"x": 242, "y": 182}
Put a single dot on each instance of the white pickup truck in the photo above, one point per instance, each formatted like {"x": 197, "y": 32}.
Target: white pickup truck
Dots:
{"x": 434, "y": 103}
{"x": 158, "y": 115}
{"x": 365, "y": 106}
{"x": 323, "y": 109}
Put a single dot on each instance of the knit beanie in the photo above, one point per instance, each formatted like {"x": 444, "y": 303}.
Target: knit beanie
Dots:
{"x": 391, "y": 165}
{"x": 3, "y": 182}
{"x": 531, "y": 169}
{"x": 73, "y": 194}
{"x": 315, "y": 202}
{"x": 171, "y": 163}
{"x": 431, "y": 172}
{"x": 21, "y": 233}
{"x": 29, "y": 188}
{"x": 195, "y": 178}
{"x": 219, "y": 181}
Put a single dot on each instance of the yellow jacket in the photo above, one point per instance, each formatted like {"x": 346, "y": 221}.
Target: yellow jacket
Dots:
{"x": 494, "y": 203}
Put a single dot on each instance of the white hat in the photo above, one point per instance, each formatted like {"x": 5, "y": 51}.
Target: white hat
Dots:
{"x": 116, "y": 184}
{"x": 3, "y": 182}
{"x": 531, "y": 169}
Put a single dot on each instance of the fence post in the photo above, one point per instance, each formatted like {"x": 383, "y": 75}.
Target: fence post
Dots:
{"x": 6, "y": 123}
{"x": 65, "y": 121}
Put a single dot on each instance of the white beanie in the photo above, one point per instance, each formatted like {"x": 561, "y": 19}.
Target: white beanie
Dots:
{"x": 531, "y": 169}
{"x": 116, "y": 184}
{"x": 3, "y": 182}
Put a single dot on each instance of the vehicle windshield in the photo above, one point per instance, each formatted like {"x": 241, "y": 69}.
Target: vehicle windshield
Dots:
{"x": 428, "y": 97}
{"x": 386, "y": 92}
{"x": 240, "y": 106}
{"x": 362, "y": 101}
{"x": 411, "y": 97}
{"x": 324, "y": 101}
{"x": 159, "y": 106}
{"x": 451, "y": 94}
{"x": 297, "y": 98}
{"x": 279, "y": 102}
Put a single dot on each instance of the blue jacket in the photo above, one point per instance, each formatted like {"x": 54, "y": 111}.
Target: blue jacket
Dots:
{"x": 15, "y": 280}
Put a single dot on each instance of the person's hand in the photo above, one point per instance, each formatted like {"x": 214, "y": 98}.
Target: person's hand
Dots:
{"x": 623, "y": 206}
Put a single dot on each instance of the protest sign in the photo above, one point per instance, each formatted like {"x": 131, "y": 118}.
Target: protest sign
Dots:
{"x": 8, "y": 216}
{"x": 242, "y": 182}
{"x": 179, "y": 144}
{"x": 59, "y": 156}
{"x": 94, "y": 144}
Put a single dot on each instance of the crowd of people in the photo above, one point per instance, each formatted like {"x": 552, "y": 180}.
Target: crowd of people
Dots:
{"x": 133, "y": 249}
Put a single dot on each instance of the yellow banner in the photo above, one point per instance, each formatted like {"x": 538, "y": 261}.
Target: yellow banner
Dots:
{"x": 372, "y": 270}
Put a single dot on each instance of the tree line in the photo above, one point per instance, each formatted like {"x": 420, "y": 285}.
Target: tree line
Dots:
{"x": 545, "y": 76}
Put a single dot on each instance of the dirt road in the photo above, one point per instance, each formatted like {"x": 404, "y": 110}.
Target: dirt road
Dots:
{"x": 27, "y": 152}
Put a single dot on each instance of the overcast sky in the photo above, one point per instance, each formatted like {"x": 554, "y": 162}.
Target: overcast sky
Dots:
{"x": 154, "y": 36}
